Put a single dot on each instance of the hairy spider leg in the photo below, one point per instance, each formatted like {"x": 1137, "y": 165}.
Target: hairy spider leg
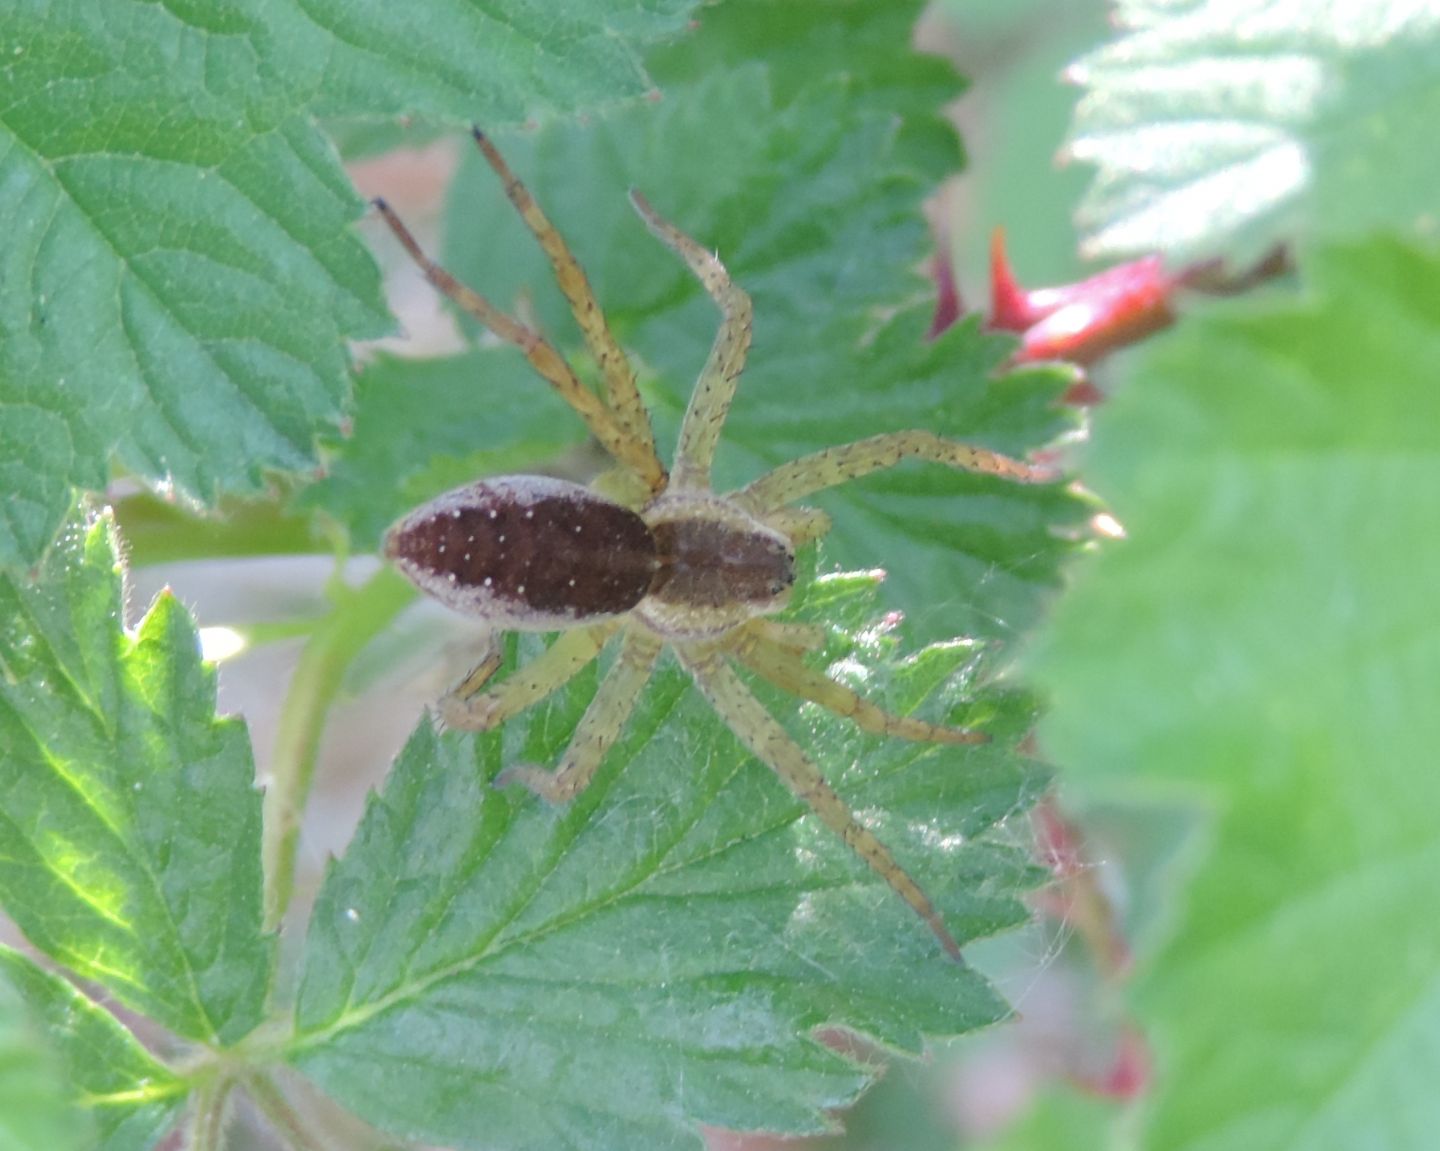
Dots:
{"x": 615, "y": 369}
{"x": 710, "y": 401}
{"x": 769, "y": 742}
{"x": 468, "y": 709}
{"x": 484, "y": 671}
{"x": 796, "y": 637}
{"x": 604, "y": 425}
{"x": 832, "y": 466}
{"x": 601, "y": 725}
{"x": 789, "y": 672}
{"x": 800, "y": 525}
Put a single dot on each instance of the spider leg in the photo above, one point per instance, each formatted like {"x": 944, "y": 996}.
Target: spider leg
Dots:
{"x": 601, "y": 725}
{"x": 604, "y": 425}
{"x": 619, "y": 378}
{"x": 467, "y": 709}
{"x": 838, "y": 465}
{"x": 800, "y": 525}
{"x": 710, "y": 401}
{"x": 790, "y": 673}
{"x": 483, "y": 672}
{"x": 769, "y": 742}
{"x": 795, "y": 637}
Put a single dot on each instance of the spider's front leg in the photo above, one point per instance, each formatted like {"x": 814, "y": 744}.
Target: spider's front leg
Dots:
{"x": 601, "y": 725}
{"x": 710, "y": 401}
{"x": 797, "y": 638}
{"x": 830, "y": 467}
{"x": 800, "y": 525}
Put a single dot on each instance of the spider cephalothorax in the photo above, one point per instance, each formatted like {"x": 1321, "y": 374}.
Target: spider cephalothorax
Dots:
{"x": 676, "y": 566}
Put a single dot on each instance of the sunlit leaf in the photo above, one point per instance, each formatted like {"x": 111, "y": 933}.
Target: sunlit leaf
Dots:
{"x": 497, "y": 63}
{"x": 129, "y": 847}
{"x": 1237, "y": 122}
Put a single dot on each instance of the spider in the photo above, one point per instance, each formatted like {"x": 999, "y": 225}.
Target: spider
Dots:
{"x": 665, "y": 563}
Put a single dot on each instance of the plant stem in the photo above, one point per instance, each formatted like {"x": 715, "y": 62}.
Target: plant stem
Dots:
{"x": 281, "y": 1115}
{"x": 158, "y": 532}
{"x": 207, "y": 1121}
{"x": 358, "y": 616}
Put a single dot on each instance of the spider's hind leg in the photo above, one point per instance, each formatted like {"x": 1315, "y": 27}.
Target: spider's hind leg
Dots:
{"x": 601, "y": 725}
{"x": 483, "y": 671}
{"x": 471, "y": 709}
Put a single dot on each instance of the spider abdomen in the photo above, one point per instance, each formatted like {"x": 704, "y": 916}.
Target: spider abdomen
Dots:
{"x": 526, "y": 552}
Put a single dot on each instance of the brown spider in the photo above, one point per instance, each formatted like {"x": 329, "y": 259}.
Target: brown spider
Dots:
{"x": 667, "y": 562}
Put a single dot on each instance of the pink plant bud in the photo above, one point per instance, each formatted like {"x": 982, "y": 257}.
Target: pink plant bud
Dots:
{"x": 1084, "y": 321}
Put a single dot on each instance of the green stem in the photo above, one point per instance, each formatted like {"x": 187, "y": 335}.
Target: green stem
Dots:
{"x": 276, "y": 631}
{"x": 358, "y": 616}
{"x": 207, "y": 1120}
{"x": 283, "y": 1117}
{"x": 158, "y": 532}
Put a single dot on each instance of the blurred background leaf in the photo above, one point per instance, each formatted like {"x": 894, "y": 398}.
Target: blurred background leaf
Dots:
{"x": 1265, "y": 644}
{"x": 37, "y": 1111}
{"x": 1226, "y": 126}
{"x": 85, "y": 1059}
{"x": 1014, "y": 117}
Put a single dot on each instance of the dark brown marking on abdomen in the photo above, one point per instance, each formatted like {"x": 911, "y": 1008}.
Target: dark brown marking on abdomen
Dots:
{"x": 527, "y": 546}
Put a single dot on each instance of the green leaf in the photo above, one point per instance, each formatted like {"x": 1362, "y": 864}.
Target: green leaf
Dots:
{"x": 1265, "y": 643}
{"x": 485, "y": 970}
{"x": 494, "y": 63}
{"x": 130, "y": 837}
{"x": 809, "y": 44}
{"x": 1060, "y": 1117}
{"x": 132, "y": 1099}
{"x": 812, "y": 195}
{"x": 1240, "y": 123}
{"x": 179, "y": 275}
